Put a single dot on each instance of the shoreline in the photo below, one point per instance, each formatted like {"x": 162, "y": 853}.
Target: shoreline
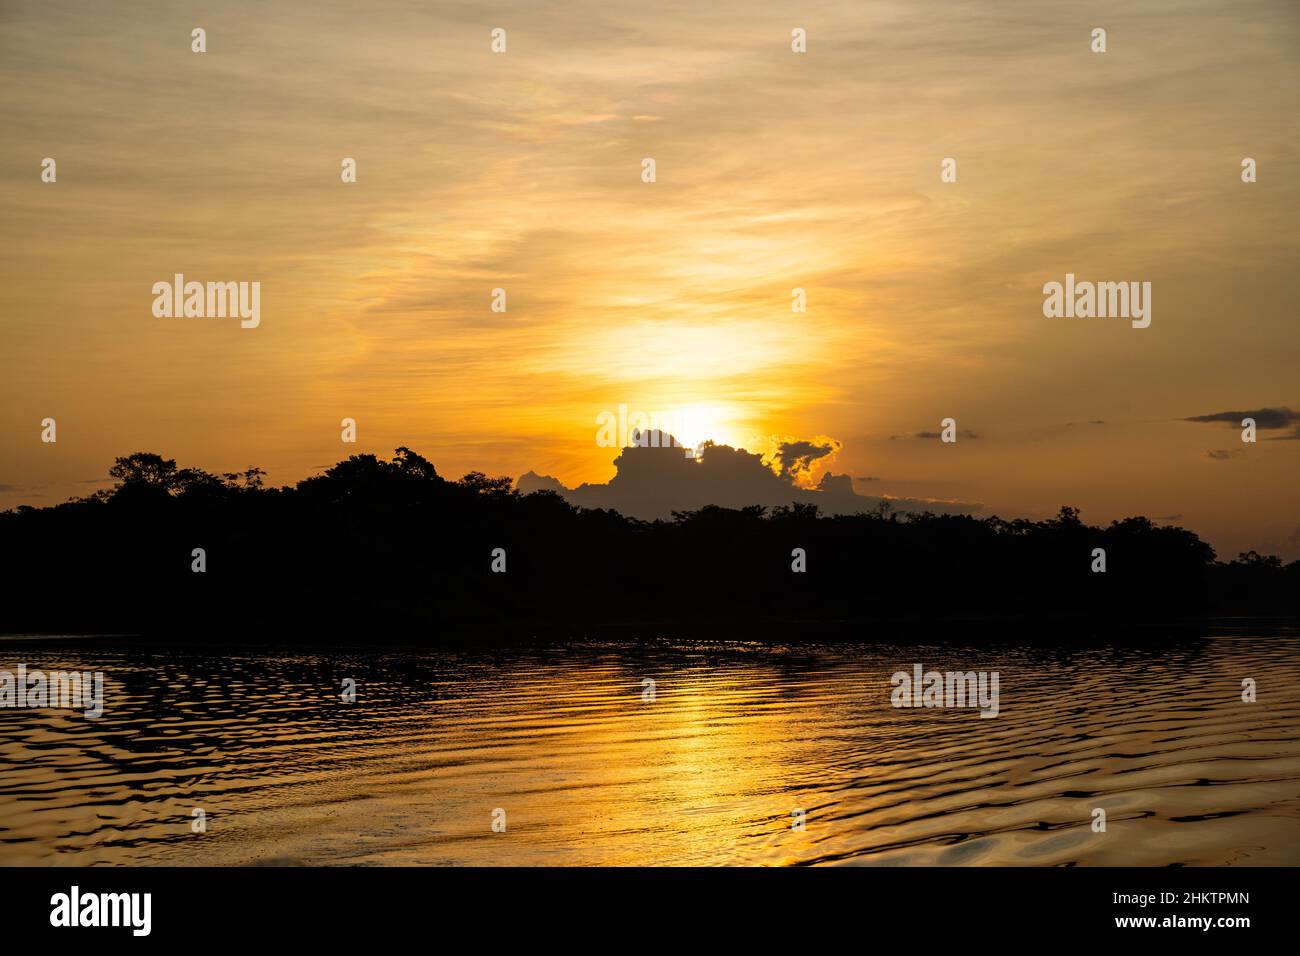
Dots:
{"x": 1047, "y": 634}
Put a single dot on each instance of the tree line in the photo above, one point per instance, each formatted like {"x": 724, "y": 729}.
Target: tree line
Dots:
{"x": 381, "y": 549}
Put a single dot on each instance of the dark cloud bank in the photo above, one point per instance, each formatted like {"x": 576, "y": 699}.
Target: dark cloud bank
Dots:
{"x": 653, "y": 482}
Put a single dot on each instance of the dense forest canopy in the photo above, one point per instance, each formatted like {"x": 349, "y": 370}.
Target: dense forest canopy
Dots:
{"x": 376, "y": 549}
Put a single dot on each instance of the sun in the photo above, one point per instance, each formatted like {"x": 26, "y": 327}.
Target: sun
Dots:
{"x": 698, "y": 422}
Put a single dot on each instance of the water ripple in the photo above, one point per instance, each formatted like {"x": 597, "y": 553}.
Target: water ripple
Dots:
{"x": 737, "y": 737}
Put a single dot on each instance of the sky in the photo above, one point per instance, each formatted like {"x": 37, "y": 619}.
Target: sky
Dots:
{"x": 774, "y": 170}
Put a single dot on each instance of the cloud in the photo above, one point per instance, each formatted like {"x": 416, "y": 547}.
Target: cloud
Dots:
{"x": 531, "y": 481}
{"x": 1265, "y": 418}
{"x": 963, "y": 433}
{"x": 653, "y": 482}
{"x": 7, "y": 488}
{"x": 795, "y": 458}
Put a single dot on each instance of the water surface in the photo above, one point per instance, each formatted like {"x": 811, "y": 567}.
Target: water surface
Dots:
{"x": 738, "y": 736}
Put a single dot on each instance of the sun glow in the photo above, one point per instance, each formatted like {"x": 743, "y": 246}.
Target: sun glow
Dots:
{"x": 697, "y": 423}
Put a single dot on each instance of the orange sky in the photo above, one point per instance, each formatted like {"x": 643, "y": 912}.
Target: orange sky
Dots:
{"x": 774, "y": 171}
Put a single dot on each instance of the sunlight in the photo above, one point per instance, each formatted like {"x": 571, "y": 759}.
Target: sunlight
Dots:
{"x": 699, "y": 422}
